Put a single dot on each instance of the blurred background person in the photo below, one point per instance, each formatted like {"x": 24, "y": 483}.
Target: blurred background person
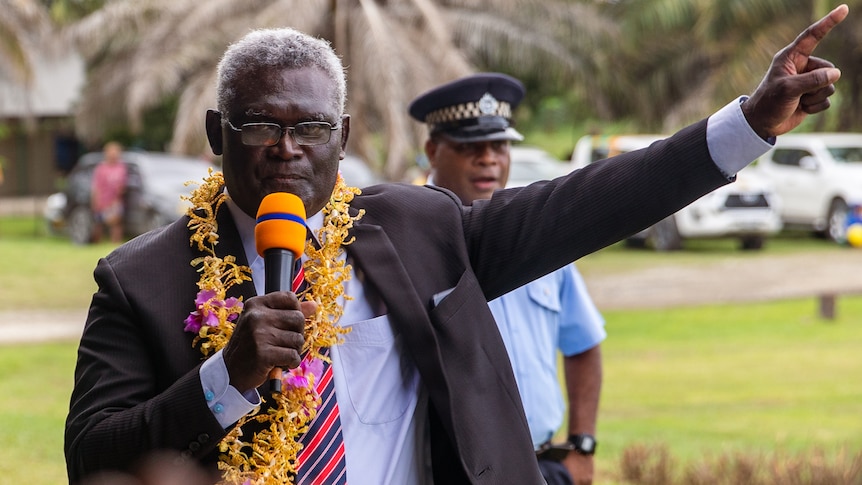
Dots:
{"x": 107, "y": 191}
{"x": 470, "y": 128}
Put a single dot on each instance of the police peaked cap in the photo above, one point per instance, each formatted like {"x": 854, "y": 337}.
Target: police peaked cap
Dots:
{"x": 471, "y": 109}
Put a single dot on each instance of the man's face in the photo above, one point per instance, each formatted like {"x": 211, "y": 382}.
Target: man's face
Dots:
{"x": 471, "y": 170}
{"x": 283, "y": 97}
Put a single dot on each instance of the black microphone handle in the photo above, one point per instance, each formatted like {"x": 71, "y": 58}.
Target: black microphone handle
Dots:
{"x": 278, "y": 266}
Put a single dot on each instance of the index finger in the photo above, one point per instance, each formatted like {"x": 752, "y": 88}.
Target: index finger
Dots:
{"x": 807, "y": 41}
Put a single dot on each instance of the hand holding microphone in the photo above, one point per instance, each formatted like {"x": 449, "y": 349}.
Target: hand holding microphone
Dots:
{"x": 279, "y": 236}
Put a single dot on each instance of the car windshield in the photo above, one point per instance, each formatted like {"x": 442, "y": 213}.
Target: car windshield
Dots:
{"x": 852, "y": 154}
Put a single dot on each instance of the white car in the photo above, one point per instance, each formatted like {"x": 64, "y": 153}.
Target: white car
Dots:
{"x": 818, "y": 177}
{"x": 747, "y": 209}
{"x": 530, "y": 164}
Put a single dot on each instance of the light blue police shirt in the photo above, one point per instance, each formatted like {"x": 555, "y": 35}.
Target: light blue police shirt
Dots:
{"x": 550, "y": 313}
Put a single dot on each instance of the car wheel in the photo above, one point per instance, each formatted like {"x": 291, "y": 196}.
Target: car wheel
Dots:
{"x": 752, "y": 243}
{"x": 664, "y": 235}
{"x": 80, "y": 225}
{"x": 836, "y": 222}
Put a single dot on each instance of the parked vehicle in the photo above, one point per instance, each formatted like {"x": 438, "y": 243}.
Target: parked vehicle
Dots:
{"x": 747, "y": 209}
{"x": 818, "y": 177}
{"x": 530, "y": 164}
{"x": 155, "y": 183}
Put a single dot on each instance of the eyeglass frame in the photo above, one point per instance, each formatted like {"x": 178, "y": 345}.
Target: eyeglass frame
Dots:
{"x": 285, "y": 129}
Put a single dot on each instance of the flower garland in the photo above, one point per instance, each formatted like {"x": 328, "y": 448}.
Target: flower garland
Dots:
{"x": 270, "y": 457}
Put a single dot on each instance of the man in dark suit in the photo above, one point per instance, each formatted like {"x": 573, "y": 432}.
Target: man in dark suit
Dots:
{"x": 422, "y": 380}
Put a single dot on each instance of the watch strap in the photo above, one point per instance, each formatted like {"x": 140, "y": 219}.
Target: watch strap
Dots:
{"x": 583, "y": 443}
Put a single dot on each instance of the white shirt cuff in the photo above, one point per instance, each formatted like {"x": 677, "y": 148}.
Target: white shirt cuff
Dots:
{"x": 731, "y": 141}
{"x": 225, "y": 401}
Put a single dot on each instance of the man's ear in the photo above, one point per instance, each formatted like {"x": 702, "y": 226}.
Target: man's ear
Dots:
{"x": 214, "y": 133}
{"x": 345, "y": 131}
{"x": 431, "y": 152}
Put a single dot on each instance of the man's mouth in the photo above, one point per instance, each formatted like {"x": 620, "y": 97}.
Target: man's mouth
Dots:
{"x": 485, "y": 183}
{"x": 281, "y": 182}
{"x": 282, "y": 177}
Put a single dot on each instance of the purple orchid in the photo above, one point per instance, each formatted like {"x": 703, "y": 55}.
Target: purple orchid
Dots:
{"x": 208, "y": 309}
{"x": 298, "y": 377}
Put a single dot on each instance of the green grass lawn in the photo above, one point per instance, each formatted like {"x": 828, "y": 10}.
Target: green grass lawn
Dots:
{"x": 756, "y": 378}
{"x": 35, "y": 382}
{"x": 47, "y": 273}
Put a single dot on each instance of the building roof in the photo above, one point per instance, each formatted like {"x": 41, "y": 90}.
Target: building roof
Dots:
{"x": 57, "y": 85}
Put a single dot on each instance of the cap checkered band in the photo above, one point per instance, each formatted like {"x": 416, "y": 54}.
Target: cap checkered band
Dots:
{"x": 487, "y": 105}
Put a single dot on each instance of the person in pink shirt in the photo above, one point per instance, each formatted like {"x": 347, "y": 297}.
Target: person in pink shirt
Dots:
{"x": 106, "y": 194}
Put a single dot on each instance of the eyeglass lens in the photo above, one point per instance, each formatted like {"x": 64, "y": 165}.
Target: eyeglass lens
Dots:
{"x": 268, "y": 134}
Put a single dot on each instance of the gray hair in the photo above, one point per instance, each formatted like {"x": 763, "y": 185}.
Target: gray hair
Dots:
{"x": 282, "y": 48}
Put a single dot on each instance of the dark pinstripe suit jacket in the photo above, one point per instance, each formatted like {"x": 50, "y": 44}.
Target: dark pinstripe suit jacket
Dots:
{"x": 136, "y": 383}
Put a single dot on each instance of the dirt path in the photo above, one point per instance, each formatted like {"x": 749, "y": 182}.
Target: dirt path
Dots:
{"x": 22, "y": 326}
{"x": 734, "y": 280}
{"x": 764, "y": 278}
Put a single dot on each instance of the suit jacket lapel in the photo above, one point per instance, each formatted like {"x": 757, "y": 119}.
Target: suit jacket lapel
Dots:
{"x": 373, "y": 253}
{"x": 230, "y": 244}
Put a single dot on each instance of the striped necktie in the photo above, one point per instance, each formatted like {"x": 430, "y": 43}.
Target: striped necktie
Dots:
{"x": 321, "y": 460}
{"x": 298, "y": 284}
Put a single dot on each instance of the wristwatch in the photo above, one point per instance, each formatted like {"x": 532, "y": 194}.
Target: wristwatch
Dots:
{"x": 584, "y": 444}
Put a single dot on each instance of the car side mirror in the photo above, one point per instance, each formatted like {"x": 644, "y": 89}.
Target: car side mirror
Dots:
{"x": 808, "y": 163}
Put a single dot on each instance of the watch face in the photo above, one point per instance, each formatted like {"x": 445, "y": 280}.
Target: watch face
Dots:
{"x": 584, "y": 444}
{"x": 588, "y": 443}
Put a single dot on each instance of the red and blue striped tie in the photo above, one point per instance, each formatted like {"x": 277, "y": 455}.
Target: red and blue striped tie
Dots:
{"x": 298, "y": 284}
{"x": 321, "y": 460}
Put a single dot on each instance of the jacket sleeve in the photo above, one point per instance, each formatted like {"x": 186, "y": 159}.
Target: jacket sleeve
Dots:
{"x": 524, "y": 233}
{"x": 133, "y": 396}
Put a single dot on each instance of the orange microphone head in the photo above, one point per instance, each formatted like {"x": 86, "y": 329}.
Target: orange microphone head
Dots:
{"x": 280, "y": 224}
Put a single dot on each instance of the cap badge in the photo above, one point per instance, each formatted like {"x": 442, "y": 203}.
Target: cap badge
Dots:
{"x": 488, "y": 104}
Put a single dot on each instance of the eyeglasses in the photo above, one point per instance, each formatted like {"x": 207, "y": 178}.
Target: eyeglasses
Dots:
{"x": 307, "y": 133}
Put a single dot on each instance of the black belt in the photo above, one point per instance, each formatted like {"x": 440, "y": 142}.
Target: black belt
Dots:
{"x": 553, "y": 451}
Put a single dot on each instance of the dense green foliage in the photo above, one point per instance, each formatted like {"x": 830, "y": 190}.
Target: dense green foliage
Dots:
{"x": 640, "y": 66}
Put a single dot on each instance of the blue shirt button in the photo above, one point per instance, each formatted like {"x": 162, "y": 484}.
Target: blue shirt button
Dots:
{"x": 209, "y": 395}
{"x": 218, "y": 408}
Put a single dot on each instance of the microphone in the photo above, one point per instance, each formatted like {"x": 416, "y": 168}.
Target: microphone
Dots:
{"x": 279, "y": 237}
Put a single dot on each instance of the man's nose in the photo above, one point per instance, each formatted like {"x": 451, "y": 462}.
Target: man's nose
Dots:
{"x": 485, "y": 154}
{"x": 287, "y": 148}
